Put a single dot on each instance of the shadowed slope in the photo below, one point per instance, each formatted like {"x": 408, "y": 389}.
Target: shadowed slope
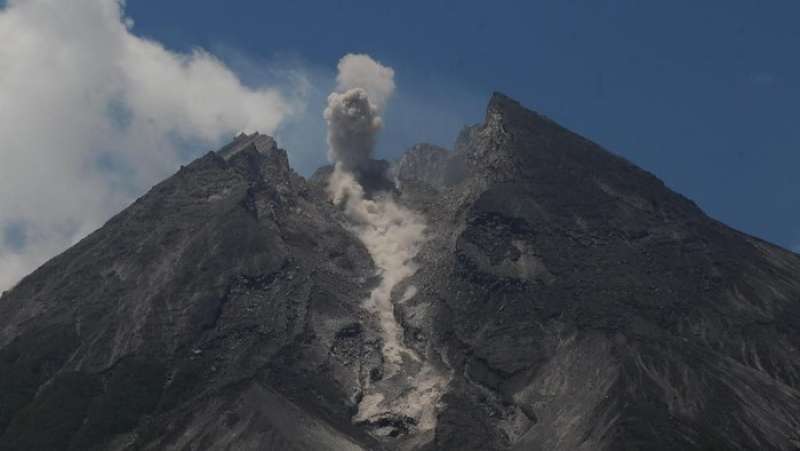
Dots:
{"x": 596, "y": 309}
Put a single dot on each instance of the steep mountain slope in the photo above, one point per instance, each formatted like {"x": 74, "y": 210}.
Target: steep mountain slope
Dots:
{"x": 563, "y": 299}
{"x": 233, "y": 270}
{"x": 576, "y": 288}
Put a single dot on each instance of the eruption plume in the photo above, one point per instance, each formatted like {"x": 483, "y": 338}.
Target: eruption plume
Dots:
{"x": 391, "y": 233}
{"x": 353, "y": 124}
{"x": 353, "y": 113}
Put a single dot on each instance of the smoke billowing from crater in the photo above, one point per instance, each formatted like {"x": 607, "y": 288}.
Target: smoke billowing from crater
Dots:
{"x": 353, "y": 124}
{"x": 364, "y": 86}
{"x": 361, "y": 71}
{"x": 392, "y": 234}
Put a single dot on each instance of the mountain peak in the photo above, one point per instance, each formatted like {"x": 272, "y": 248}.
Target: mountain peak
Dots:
{"x": 259, "y": 156}
{"x": 510, "y": 111}
{"x": 263, "y": 144}
{"x": 561, "y": 299}
{"x": 499, "y": 101}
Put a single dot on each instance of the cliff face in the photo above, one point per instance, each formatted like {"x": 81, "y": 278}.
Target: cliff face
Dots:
{"x": 563, "y": 299}
{"x": 597, "y": 309}
{"x": 229, "y": 280}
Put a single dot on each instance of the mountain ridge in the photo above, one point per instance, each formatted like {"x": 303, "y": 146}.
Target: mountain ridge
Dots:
{"x": 572, "y": 300}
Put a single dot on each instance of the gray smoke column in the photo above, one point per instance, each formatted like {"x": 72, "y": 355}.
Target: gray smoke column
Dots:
{"x": 364, "y": 86}
{"x": 392, "y": 234}
{"x": 353, "y": 124}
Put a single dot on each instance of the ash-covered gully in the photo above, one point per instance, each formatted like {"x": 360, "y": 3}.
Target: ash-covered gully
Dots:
{"x": 401, "y": 401}
{"x": 526, "y": 290}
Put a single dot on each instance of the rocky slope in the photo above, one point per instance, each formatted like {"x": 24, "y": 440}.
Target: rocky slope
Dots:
{"x": 562, "y": 299}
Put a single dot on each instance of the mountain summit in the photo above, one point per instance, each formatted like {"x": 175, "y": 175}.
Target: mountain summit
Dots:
{"x": 559, "y": 298}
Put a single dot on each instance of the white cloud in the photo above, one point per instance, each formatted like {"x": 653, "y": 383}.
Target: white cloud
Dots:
{"x": 92, "y": 115}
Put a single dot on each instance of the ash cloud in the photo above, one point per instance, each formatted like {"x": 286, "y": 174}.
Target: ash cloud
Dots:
{"x": 392, "y": 234}
{"x": 364, "y": 86}
{"x": 361, "y": 71}
{"x": 353, "y": 125}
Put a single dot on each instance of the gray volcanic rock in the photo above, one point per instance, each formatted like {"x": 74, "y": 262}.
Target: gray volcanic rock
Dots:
{"x": 424, "y": 163}
{"x": 584, "y": 305}
{"x": 571, "y": 299}
{"x": 231, "y": 277}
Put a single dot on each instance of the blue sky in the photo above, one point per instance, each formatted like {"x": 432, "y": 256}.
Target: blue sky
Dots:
{"x": 104, "y": 98}
{"x": 703, "y": 94}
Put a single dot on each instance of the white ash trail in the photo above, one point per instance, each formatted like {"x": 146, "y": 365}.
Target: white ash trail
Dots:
{"x": 393, "y": 235}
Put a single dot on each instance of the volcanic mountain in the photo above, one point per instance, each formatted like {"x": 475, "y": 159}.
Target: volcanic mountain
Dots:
{"x": 559, "y": 298}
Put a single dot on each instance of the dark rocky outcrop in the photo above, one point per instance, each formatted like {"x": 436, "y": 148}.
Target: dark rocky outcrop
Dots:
{"x": 426, "y": 164}
{"x": 214, "y": 284}
{"x": 575, "y": 302}
{"x": 613, "y": 313}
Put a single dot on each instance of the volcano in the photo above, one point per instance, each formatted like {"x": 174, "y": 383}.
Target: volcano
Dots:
{"x": 557, "y": 298}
